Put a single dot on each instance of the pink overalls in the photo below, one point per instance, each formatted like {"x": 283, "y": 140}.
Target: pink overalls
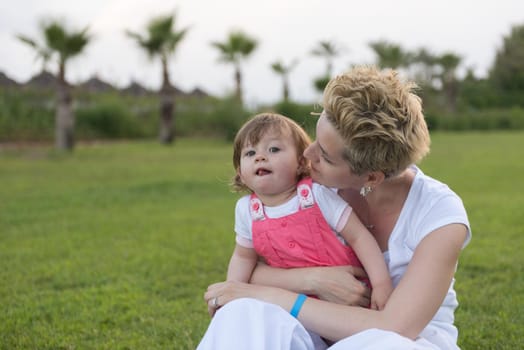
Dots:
{"x": 301, "y": 239}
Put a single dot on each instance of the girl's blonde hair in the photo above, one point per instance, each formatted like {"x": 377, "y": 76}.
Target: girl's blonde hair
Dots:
{"x": 255, "y": 128}
{"x": 379, "y": 118}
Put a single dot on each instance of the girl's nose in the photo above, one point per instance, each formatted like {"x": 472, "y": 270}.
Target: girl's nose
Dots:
{"x": 260, "y": 157}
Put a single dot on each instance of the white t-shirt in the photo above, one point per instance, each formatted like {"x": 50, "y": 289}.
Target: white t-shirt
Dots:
{"x": 334, "y": 209}
{"x": 430, "y": 204}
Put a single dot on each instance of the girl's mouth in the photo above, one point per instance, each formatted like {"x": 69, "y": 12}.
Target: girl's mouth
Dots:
{"x": 262, "y": 172}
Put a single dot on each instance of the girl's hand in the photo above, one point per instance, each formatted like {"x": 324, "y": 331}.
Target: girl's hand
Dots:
{"x": 380, "y": 295}
{"x": 338, "y": 284}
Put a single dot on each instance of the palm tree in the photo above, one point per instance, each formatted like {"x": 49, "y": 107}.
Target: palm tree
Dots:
{"x": 237, "y": 47}
{"x": 422, "y": 67}
{"x": 390, "y": 55}
{"x": 66, "y": 45}
{"x": 43, "y": 52}
{"x": 283, "y": 70}
{"x": 449, "y": 63}
{"x": 328, "y": 50}
{"x": 162, "y": 40}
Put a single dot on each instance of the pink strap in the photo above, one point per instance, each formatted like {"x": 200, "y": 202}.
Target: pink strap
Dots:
{"x": 256, "y": 208}
{"x": 305, "y": 193}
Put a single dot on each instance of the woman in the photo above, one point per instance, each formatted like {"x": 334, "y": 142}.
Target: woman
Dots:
{"x": 368, "y": 138}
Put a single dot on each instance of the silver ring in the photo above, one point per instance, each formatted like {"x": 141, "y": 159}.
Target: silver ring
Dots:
{"x": 215, "y": 302}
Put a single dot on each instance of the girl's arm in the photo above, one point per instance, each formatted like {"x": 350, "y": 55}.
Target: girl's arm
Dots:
{"x": 241, "y": 264}
{"x": 370, "y": 255}
{"x": 411, "y": 306}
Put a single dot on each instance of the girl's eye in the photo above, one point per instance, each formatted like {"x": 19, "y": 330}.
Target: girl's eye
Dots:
{"x": 274, "y": 149}
{"x": 249, "y": 153}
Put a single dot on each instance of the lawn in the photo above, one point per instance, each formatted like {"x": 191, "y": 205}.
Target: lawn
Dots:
{"x": 111, "y": 247}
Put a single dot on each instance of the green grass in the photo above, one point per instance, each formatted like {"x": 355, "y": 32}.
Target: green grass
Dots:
{"x": 113, "y": 246}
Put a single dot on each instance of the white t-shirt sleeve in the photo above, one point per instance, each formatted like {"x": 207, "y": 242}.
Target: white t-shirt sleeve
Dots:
{"x": 244, "y": 235}
{"x": 447, "y": 210}
{"x": 434, "y": 205}
{"x": 333, "y": 207}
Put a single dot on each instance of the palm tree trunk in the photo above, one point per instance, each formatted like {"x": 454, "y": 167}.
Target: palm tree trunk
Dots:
{"x": 450, "y": 91}
{"x": 286, "y": 90}
{"x": 238, "y": 84}
{"x": 167, "y": 107}
{"x": 329, "y": 68}
{"x": 64, "y": 119}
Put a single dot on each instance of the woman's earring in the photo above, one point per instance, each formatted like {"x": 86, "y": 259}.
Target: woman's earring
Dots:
{"x": 365, "y": 190}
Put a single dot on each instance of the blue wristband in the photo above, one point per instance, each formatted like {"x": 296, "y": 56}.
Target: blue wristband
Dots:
{"x": 298, "y": 305}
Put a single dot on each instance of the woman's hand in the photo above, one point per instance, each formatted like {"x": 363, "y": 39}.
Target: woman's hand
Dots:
{"x": 219, "y": 294}
{"x": 338, "y": 284}
{"x": 335, "y": 284}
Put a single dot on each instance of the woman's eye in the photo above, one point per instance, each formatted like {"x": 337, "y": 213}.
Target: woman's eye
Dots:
{"x": 326, "y": 159}
{"x": 274, "y": 149}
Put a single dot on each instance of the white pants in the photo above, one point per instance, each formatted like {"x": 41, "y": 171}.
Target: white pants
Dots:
{"x": 251, "y": 324}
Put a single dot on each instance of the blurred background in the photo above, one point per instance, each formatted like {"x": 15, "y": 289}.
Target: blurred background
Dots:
{"x": 467, "y": 57}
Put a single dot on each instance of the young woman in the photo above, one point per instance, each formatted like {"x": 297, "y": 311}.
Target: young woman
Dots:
{"x": 368, "y": 138}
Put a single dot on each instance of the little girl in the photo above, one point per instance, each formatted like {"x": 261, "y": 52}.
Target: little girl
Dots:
{"x": 287, "y": 219}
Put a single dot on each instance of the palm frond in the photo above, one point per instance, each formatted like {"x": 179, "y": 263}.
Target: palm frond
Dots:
{"x": 161, "y": 38}
{"x": 27, "y": 40}
{"x": 237, "y": 46}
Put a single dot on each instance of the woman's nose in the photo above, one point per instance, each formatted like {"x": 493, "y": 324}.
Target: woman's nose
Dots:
{"x": 309, "y": 152}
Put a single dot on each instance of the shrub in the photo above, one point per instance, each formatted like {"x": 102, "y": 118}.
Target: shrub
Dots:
{"x": 107, "y": 120}
{"x": 485, "y": 119}
{"x": 26, "y": 115}
{"x": 301, "y": 113}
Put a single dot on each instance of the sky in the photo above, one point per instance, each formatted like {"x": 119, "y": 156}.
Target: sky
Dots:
{"x": 285, "y": 29}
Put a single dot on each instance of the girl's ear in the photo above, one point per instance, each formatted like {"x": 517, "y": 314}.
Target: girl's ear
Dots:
{"x": 303, "y": 167}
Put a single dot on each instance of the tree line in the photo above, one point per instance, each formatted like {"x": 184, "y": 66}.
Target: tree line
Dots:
{"x": 436, "y": 74}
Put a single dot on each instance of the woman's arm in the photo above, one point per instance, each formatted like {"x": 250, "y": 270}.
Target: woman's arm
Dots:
{"x": 335, "y": 284}
{"x": 409, "y": 309}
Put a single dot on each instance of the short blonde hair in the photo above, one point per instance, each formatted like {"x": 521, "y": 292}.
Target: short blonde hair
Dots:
{"x": 255, "y": 128}
{"x": 380, "y": 119}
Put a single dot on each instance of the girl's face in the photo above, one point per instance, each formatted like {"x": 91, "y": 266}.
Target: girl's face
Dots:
{"x": 270, "y": 167}
{"x": 328, "y": 167}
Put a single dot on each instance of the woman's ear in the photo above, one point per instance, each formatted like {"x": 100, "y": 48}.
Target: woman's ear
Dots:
{"x": 375, "y": 178}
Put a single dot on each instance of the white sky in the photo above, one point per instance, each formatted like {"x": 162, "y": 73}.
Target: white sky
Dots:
{"x": 286, "y": 30}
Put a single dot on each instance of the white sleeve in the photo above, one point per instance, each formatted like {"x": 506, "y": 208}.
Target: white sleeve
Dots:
{"x": 244, "y": 235}
{"x": 431, "y": 206}
{"x": 332, "y": 206}
{"x": 449, "y": 209}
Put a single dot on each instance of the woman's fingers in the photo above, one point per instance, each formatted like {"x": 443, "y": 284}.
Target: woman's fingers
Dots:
{"x": 356, "y": 271}
{"x": 339, "y": 285}
{"x": 218, "y": 294}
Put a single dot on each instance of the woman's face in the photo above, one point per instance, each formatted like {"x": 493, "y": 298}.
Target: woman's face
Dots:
{"x": 328, "y": 167}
